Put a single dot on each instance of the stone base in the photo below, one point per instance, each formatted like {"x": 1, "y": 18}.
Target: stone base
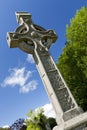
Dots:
{"x": 77, "y": 123}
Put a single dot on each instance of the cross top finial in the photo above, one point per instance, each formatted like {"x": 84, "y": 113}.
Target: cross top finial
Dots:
{"x": 29, "y": 35}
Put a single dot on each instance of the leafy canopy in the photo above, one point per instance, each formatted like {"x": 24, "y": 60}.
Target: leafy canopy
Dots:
{"x": 36, "y": 120}
{"x": 73, "y": 60}
{"x": 77, "y": 31}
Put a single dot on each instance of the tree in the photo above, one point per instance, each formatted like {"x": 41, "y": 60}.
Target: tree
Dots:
{"x": 73, "y": 61}
{"x": 4, "y": 128}
{"x": 52, "y": 122}
{"x": 32, "y": 126}
{"x": 36, "y": 120}
{"x": 77, "y": 31}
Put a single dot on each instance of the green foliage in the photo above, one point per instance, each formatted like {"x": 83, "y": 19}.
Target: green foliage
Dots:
{"x": 77, "y": 31}
{"x": 73, "y": 61}
{"x": 32, "y": 126}
{"x": 4, "y": 128}
{"x": 52, "y": 122}
{"x": 36, "y": 120}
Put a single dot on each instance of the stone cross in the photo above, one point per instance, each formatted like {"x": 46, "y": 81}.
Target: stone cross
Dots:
{"x": 36, "y": 40}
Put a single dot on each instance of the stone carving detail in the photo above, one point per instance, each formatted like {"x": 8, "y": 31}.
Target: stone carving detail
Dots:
{"x": 55, "y": 80}
{"x": 57, "y": 84}
{"x": 65, "y": 99}
{"x": 48, "y": 64}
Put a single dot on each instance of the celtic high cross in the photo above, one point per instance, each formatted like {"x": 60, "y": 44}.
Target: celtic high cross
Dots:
{"x": 36, "y": 40}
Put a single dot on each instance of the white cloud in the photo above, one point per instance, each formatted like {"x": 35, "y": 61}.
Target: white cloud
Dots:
{"x": 20, "y": 76}
{"x": 29, "y": 86}
{"x": 30, "y": 59}
{"x": 6, "y": 126}
{"x": 17, "y": 77}
{"x": 48, "y": 110}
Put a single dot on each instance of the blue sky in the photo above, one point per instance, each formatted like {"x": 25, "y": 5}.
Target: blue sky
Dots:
{"x": 21, "y": 88}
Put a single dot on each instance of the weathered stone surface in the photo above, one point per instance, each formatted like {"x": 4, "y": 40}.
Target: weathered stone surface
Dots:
{"x": 36, "y": 40}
